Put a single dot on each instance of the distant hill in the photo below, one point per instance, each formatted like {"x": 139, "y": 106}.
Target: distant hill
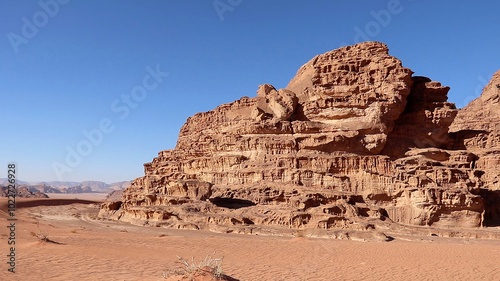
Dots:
{"x": 5, "y": 181}
{"x": 71, "y": 186}
{"x": 95, "y": 185}
{"x": 60, "y": 183}
{"x": 120, "y": 185}
{"x": 43, "y": 188}
{"x": 23, "y": 191}
{"x": 78, "y": 189}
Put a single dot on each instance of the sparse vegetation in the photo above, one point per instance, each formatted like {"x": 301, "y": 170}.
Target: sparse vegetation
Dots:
{"x": 40, "y": 235}
{"x": 209, "y": 265}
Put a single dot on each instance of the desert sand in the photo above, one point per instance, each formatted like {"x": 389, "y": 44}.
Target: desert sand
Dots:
{"x": 85, "y": 248}
{"x": 83, "y": 196}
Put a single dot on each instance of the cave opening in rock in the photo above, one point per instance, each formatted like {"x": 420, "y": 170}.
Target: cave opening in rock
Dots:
{"x": 231, "y": 203}
{"x": 492, "y": 207}
{"x": 356, "y": 199}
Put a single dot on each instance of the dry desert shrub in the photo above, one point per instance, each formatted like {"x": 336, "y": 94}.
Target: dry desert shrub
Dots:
{"x": 42, "y": 237}
{"x": 209, "y": 264}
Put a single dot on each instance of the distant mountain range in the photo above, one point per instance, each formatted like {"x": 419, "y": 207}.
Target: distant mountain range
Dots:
{"x": 5, "y": 181}
{"x": 70, "y": 186}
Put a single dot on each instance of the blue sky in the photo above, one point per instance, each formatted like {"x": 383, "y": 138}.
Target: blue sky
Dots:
{"x": 69, "y": 67}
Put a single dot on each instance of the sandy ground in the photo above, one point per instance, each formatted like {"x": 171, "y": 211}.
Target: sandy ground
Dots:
{"x": 83, "y": 196}
{"x": 89, "y": 249}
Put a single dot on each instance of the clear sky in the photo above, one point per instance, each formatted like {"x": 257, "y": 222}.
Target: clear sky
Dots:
{"x": 92, "y": 89}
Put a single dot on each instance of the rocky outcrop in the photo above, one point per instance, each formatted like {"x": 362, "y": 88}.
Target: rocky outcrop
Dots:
{"x": 482, "y": 114}
{"x": 114, "y": 195}
{"x": 352, "y": 142}
{"x": 43, "y": 188}
{"x": 22, "y": 192}
{"x": 477, "y": 129}
{"x": 425, "y": 121}
{"x": 349, "y": 99}
{"x": 78, "y": 189}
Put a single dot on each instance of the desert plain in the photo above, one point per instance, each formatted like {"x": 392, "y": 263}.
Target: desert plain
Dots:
{"x": 358, "y": 170}
{"x": 86, "y": 248}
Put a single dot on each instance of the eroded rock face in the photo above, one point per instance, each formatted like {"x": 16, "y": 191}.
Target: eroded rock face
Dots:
{"x": 22, "y": 192}
{"x": 425, "y": 121}
{"x": 477, "y": 129}
{"x": 353, "y": 141}
{"x": 349, "y": 99}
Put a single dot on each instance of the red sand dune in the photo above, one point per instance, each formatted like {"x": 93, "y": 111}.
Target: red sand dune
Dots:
{"x": 103, "y": 250}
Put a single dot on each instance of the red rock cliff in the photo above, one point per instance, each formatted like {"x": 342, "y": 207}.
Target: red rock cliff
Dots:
{"x": 353, "y": 140}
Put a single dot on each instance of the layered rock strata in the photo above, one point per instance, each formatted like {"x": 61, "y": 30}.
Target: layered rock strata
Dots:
{"x": 353, "y": 140}
{"x": 477, "y": 129}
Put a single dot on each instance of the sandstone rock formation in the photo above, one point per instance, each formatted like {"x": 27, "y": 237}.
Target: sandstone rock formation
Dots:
{"x": 477, "y": 129}
{"x": 353, "y": 141}
{"x": 22, "y": 192}
{"x": 77, "y": 189}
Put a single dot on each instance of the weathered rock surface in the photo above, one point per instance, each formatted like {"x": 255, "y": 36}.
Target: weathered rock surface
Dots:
{"x": 354, "y": 140}
{"x": 477, "y": 129}
{"x": 78, "y": 189}
{"x": 22, "y": 192}
{"x": 349, "y": 99}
